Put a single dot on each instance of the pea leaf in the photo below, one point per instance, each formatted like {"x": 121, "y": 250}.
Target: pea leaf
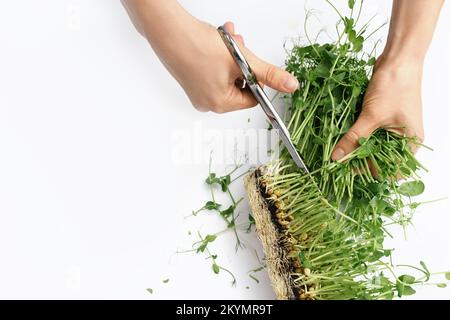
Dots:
{"x": 411, "y": 188}
{"x": 228, "y": 212}
{"x": 351, "y": 4}
{"x": 216, "y": 268}
{"x": 208, "y": 239}
{"x": 211, "y": 179}
{"x": 225, "y": 182}
{"x": 447, "y": 275}
{"x": 441, "y": 285}
{"x": 408, "y": 291}
{"x": 407, "y": 279}
{"x": 211, "y": 205}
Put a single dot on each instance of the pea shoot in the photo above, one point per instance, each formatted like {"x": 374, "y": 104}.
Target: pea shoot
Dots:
{"x": 332, "y": 227}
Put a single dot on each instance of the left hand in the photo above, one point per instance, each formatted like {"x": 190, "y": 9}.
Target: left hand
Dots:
{"x": 392, "y": 100}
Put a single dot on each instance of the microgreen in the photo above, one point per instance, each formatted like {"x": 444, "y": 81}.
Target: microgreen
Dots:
{"x": 220, "y": 186}
{"x": 411, "y": 188}
{"x": 335, "y": 224}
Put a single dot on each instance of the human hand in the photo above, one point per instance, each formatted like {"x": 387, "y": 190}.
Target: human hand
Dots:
{"x": 207, "y": 72}
{"x": 392, "y": 101}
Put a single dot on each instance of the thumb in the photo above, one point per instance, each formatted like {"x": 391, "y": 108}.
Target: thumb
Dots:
{"x": 270, "y": 75}
{"x": 362, "y": 128}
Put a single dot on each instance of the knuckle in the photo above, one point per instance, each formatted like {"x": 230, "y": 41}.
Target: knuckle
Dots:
{"x": 373, "y": 116}
{"x": 270, "y": 73}
{"x": 217, "y": 108}
{"x": 352, "y": 136}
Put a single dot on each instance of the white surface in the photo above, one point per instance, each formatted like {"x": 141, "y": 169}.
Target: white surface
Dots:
{"x": 91, "y": 205}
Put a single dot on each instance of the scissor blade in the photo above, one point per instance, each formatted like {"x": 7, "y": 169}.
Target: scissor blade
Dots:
{"x": 278, "y": 124}
{"x": 286, "y": 139}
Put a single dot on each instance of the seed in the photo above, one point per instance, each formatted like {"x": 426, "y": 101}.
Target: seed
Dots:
{"x": 269, "y": 192}
{"x": 304, "y": 237}
{"x": 279, "y": 205}
{"x": 307, "y": 272}
{"x": 302, "y": 296}
{"x": 277, "y": 193}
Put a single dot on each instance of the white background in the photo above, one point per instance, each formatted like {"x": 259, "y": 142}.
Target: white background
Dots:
{"x": 92, "y": 204}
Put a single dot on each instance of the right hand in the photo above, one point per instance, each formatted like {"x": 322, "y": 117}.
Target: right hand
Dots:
{"x": 207, "y": 72}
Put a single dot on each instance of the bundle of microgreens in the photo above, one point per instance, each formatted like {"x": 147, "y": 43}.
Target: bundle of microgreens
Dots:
{"x": 333, "y": 225}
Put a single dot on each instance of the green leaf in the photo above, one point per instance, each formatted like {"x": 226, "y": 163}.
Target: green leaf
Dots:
{"x": 411, "y": 188}
{"x": 372, "y": 61}
{"x": 349, "y": 22}
{"x": 322, "y": 71}
{"x": 407, "y": 279}
{"x": 400, "y": 288}
{"x": 356, "y": 91}
{"x": 150, "y": 290}
{"x": 408, "y": 291}
{"x": 211, "y": 179}
{"x": 228, "y": 212}
{"x": 216, "y": 268}
{"x": 211, "y": 205}
{"x": 441, "y": 285}
{"x": 358, "y": 43}
{"x": 225, "y": 182}
{"x": 351, "y": 4}
{"x": 447, "y": 275}
{"x": 210, "y": 238}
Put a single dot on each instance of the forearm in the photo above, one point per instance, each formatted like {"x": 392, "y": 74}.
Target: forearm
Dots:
{"x": 411, "y": 29}
{"x": 161, "y": 22}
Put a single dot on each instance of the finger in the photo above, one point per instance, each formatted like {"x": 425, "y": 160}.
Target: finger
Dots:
{"x": 270, "y": 75}
{"x": 362, "y": 128}
{"x": 239, "y": 38}
{"x": 229, "y": 27}
{"x": 240, "y": 99}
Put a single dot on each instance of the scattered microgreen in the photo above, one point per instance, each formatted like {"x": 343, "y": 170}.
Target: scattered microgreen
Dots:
{"x": 150, "y": 290}
{"x": 447, "y": 275}
{"x": 411, "y": 188}
{"x": 220, "y": 187}
{"x": 165, "y": 280}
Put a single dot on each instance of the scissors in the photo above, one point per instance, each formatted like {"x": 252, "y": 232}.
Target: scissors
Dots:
{"x": 249, "y": 81}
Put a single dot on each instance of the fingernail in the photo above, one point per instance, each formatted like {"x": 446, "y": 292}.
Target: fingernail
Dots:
{"x": 338, "y": 154}
{"x": 291, "y": 83}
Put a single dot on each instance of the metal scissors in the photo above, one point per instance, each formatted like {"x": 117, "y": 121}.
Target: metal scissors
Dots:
{"x": 250, "y": 81}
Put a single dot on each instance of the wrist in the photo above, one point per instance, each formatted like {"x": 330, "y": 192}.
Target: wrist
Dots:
{"x": 400, "y": 61}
